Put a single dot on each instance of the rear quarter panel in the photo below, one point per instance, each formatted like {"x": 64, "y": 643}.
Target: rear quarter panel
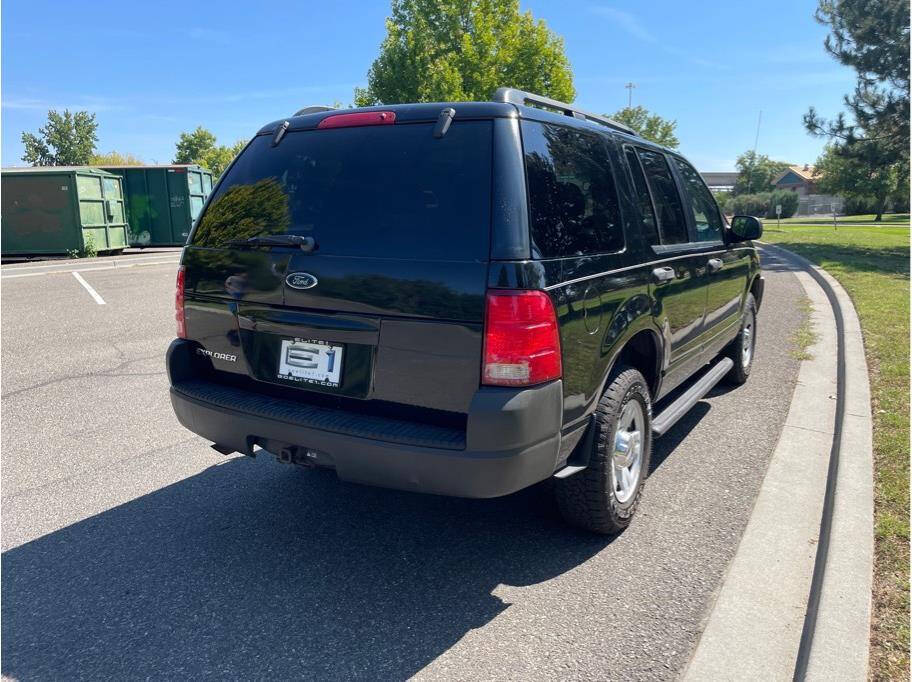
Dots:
{"x": 596, "y": 317}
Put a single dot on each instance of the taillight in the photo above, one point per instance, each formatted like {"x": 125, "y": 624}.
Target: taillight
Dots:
{"x": 362, "y": 118}
{"x": 179, "y": 305}
{"x": 521, "y": 343}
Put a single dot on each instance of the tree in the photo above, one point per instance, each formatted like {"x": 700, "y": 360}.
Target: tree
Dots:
{"x": 217, "y": 158}
{"x": 113, "y": 158}
{"x": 869, "y": 156}
{"x": 191, "y": 146}
{"x": 200, "y": 147}
{"x": 461, "y": 50}
{"x": 66, "y": 139}
{"x": 756, "y": 173}
{"x": 245, "y": 211}
{"x": 872, "y": 37}
{"x": 853, "y": 170}
{"x": 722, "y": 198}
{"x": 650, "y": 126}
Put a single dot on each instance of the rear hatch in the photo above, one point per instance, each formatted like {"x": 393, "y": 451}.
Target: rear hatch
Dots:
{"x": 388, "y": 308}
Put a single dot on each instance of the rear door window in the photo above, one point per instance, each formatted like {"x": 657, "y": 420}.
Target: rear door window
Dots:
{"x": 644, "y": 201}
{"x": 672, "y": 224}
{"x": 389, "y": 191}
{"x": 705, "y": 211}
{"x": 573, "y": 203}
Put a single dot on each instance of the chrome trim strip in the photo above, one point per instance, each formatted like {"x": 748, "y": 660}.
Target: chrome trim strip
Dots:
{"x": 644, "y": 265}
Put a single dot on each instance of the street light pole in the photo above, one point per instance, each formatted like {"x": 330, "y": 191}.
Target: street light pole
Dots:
{"x": 630, "y": 86}
{"x": 750, "y": 177}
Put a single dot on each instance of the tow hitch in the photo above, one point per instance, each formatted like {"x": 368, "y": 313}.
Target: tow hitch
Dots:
{"x": 296, "y": 455}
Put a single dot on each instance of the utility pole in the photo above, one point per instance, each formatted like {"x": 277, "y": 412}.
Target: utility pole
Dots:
{"x": 750, "y": 176}
{"x": 630, "y": 86}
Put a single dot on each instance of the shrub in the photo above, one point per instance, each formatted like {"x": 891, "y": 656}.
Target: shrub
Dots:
{"x": 88, "y": 249}
{"x": 858, "y": 205}
{"x": 722, "y": 199}
{"x": 900, "y": 203}
{"x": 750, "y": 204}
{"x": 787, "y": 198}
{"x": 763, "y": 204}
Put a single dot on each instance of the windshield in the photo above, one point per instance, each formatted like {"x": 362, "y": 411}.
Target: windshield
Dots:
{"x": 385, "y": 191}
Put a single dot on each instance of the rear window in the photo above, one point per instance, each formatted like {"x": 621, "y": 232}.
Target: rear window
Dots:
{"x": 390, "y": 191}
{"x": 573, "y": 204}
{"x": 672, "y": 225}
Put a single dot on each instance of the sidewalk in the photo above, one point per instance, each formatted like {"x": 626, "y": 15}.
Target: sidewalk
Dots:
{"x": 760, "y": 624}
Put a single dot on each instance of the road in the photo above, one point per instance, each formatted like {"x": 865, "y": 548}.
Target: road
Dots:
{"x": 132, "y": 550}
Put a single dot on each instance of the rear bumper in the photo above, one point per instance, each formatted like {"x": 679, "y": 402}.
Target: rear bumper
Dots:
{"x": 511, "y": 440}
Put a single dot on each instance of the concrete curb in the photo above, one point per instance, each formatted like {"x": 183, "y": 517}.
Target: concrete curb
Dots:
{"x": 128, "y": 255}
{"x": 754, "y": 629}
{"x": 38, "y": 268}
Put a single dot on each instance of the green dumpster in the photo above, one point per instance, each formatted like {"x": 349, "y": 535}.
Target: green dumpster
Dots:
{"x": 61, "y": 209}
{"x": 163, "y": 201}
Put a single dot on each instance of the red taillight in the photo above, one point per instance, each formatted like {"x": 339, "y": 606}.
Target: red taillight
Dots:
{"x": 179, "y": 305}
{"x": 362, "y": 118}
{"x": 521, "y": 344}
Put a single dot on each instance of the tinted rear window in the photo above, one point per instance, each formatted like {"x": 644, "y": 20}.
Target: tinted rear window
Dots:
{"x": 647, "y": 214}
{"x": 573, "y": 204}
{"x": 672, "y": 225}
{"x": 386, "y": 191}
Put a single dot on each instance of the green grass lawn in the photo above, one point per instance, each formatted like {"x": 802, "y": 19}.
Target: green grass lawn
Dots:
{"x": 872, "y": 263}
{"x": 887, "y": 219}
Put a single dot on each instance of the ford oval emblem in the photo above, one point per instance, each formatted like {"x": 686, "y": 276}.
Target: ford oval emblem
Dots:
{"x": 301, "y": 280}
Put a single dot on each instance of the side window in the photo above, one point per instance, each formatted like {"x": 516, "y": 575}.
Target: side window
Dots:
{"x": 573, "y": 204}
{"x": 647, "y": 212}
{"x": 672, "y": 225}
{"x": 705, "y": 210}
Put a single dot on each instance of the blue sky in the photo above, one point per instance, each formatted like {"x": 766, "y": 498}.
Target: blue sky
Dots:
{"x": 152, "y": 70}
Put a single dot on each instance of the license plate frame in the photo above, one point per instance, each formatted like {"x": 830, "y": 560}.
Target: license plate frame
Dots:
{"x": 311, "y": 361}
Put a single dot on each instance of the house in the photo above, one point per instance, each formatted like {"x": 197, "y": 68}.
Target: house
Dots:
{"x": 800, "y": 179}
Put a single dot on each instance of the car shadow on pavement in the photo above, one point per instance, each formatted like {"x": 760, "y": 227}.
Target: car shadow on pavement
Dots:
{"x": 663, "y": 447}
{"x": 252, "y": 569}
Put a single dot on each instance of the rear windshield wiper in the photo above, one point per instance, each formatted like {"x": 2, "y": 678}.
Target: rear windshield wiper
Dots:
{"x": 303, "y": 243}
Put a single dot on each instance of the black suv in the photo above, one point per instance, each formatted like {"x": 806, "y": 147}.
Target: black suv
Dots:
{"x": 461, "y": 298}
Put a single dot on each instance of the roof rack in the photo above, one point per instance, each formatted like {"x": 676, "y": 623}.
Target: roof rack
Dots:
{"x": 523, "y": 98}
{"x": 313, "y": 109}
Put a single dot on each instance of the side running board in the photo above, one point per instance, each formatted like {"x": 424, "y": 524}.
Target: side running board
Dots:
{"x": 681, "y": 406}
{"x": 568, "y": 471}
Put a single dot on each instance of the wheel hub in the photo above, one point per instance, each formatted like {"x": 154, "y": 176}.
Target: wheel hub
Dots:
{"x": 747, "y": 339}
{"x": 627, "y": 446}
{"x": 627, "y": 451}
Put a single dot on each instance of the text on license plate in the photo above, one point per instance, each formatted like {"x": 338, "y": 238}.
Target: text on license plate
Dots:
{"x": 312, "y": 362}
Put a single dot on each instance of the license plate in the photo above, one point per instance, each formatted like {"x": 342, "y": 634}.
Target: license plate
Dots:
{"x": 310, "y": 362}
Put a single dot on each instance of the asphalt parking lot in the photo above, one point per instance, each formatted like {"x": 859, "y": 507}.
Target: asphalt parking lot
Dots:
{"x": 132, "y": 550}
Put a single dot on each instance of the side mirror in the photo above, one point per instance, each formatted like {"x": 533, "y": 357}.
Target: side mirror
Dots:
{"x": 745, "y": 227}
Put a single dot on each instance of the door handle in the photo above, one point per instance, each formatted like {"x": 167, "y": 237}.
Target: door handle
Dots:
{"x": 660, "y": 275}
{"x": 715, "y": 264}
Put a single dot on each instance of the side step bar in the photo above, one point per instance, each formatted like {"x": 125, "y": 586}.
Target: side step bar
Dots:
{"x": 661, "y": 423}
{"x": 568, "y": 471}
{"x": 681, "y": 406}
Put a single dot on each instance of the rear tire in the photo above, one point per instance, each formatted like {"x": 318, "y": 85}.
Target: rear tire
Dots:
{"x": 741, "y": 349}
{"x": 603, "y": 497}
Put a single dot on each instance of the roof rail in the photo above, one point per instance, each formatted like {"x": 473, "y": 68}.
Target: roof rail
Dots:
{"x": 523, "y": 98}
{"x": 314, "y": 109}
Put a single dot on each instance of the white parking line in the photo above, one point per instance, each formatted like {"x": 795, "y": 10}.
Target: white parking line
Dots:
{"x": 88, "y": 287}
